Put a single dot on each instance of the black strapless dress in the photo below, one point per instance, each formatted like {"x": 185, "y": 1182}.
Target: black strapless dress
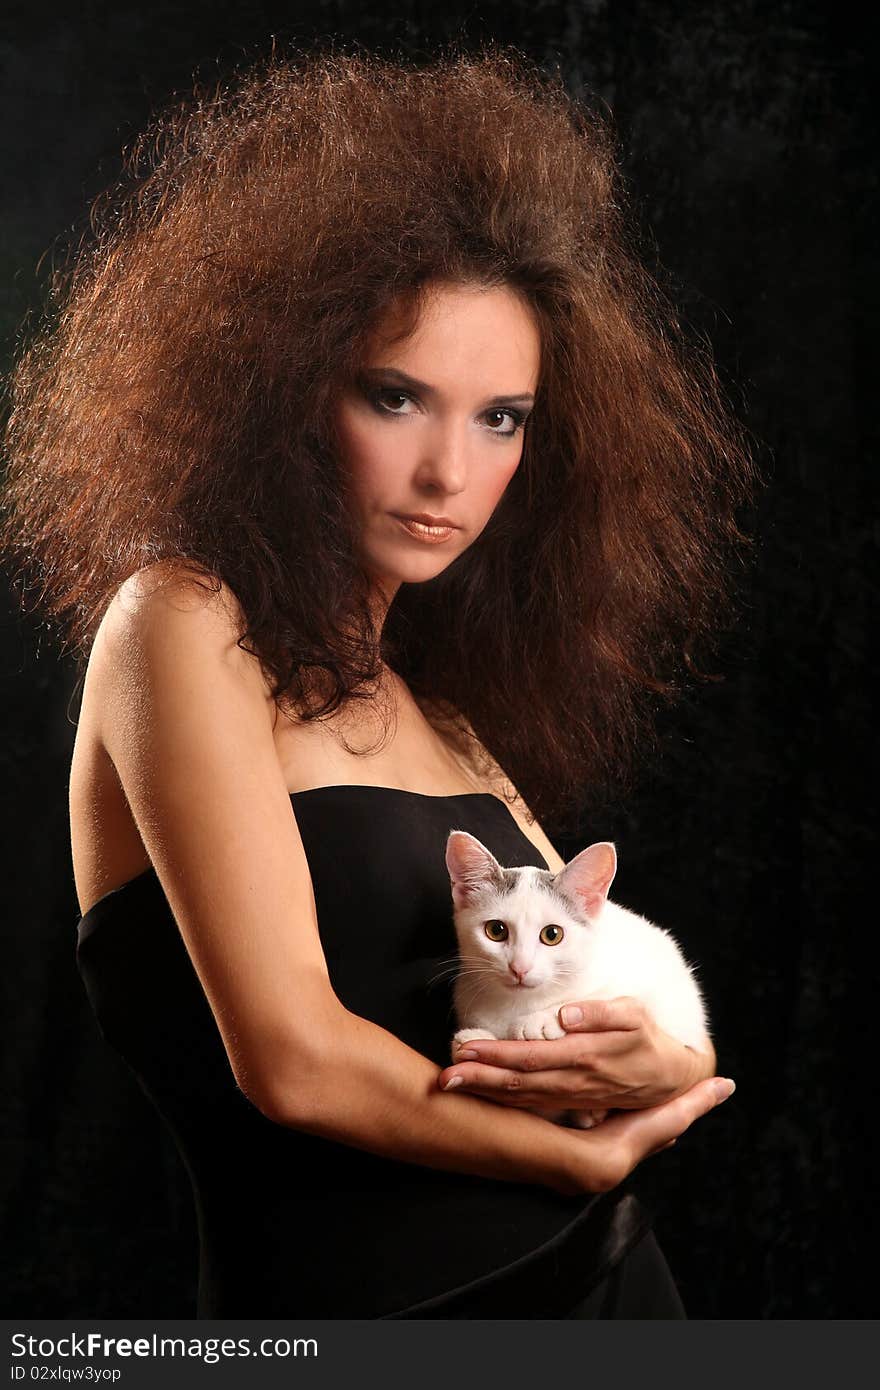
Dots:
{"x": 292, "y": 1225}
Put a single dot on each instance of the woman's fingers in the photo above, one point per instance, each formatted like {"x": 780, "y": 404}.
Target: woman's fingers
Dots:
{"x": 551, "y": 1090}
{"x": 602, "y": 1015}
{"x": 514, "y": 1054}
{"x": 609, "y": 1153}
{"x": 623, "y": 1015}
{"x": 647, "y": 1131}
{"x": 481, "y": 1062}
{"x": 523, "y": 1088}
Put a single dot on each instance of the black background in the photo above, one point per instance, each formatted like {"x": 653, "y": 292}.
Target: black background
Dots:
{"x": 747, "y": 144}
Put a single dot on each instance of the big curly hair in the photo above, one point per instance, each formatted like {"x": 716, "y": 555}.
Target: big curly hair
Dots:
{"x": 177, "y": 402}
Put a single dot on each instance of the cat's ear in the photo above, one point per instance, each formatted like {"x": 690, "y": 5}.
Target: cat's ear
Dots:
{"x": 472, "y": 867}
{"x": 589, "y": 876}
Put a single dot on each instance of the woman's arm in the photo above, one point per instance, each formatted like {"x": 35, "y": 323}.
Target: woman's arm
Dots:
{"x": 187, "y": 723}
{"x": 371, "y": 1090}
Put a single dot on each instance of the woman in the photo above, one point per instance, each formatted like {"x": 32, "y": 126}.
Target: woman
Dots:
{"x": 343, "y": 296}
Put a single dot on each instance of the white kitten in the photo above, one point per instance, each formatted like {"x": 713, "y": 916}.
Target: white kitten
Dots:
{"x": 530, "y": 940}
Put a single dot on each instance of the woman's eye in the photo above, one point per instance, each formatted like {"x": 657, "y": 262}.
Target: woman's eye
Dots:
{"x": 381, "y": 399}
{"x": 551, "y": 936}
{"x": 496, "y": 931}
{"x": 516, "y": 421}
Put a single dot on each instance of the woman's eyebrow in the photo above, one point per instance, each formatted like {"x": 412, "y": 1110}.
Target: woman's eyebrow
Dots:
{"x": 399, "y": 378}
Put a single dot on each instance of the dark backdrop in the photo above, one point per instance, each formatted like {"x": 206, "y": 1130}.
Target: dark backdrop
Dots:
{"x": 747, "y": 146}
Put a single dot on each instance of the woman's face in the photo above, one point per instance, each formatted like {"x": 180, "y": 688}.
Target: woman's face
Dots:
{"x": 434, "y": 425}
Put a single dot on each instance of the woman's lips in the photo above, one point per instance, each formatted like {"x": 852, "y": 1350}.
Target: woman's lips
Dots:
{"x": 430, "y": 535}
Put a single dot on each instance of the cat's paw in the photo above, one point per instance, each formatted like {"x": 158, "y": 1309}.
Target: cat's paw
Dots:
{"x": 466, "y": 1035}
{"x": 587, "y": 1119}
{"x": 543, "y": 1024}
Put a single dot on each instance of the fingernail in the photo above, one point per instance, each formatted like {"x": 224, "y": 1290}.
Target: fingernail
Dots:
{"x": 453, "y": 1081}
{"x": 724, "y": 1087}
{"x": 572, "y": 1014}
{"x": 466, "y": 1052}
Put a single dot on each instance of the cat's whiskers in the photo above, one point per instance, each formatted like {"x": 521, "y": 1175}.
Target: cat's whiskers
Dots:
{"x": 447, "y": 967}
{"x": 563, "y": 971}
{"x": 477, "y": 969}
{"x": 489, "y": 974}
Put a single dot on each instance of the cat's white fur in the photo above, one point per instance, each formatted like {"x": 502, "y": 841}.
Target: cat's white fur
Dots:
{"x": 606, "y": 951}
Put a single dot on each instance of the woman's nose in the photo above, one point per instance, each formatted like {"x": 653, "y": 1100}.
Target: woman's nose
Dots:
{"x": 444, "y": 459}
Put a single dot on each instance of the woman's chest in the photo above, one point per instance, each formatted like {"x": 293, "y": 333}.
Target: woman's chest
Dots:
{"x": 357, "y": 749}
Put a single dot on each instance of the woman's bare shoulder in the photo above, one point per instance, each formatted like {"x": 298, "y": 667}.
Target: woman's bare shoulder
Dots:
{"x": 173, "y": 583}
{"x": 152, "y": 594}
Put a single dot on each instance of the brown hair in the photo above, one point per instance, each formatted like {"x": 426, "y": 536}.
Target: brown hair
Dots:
{"x": 177, "y": 402}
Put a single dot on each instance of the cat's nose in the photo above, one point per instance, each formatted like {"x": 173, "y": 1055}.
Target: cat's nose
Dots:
{"x": 519, "y": 972}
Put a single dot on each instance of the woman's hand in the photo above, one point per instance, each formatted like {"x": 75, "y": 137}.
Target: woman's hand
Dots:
{"x": 614, "y": 1058}
{"x": 600, "y": 1158}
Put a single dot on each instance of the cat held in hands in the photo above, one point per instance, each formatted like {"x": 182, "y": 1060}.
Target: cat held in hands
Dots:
{"x": 530, "y": 941}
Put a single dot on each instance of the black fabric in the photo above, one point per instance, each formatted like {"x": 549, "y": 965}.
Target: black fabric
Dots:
{"x": 640, "y": 1286}
{"x": 295, "y": 1225}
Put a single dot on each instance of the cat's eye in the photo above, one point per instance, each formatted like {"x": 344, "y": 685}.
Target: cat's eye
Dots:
{"x": 496, "y": 931}
{"x": 551, "y": 935}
